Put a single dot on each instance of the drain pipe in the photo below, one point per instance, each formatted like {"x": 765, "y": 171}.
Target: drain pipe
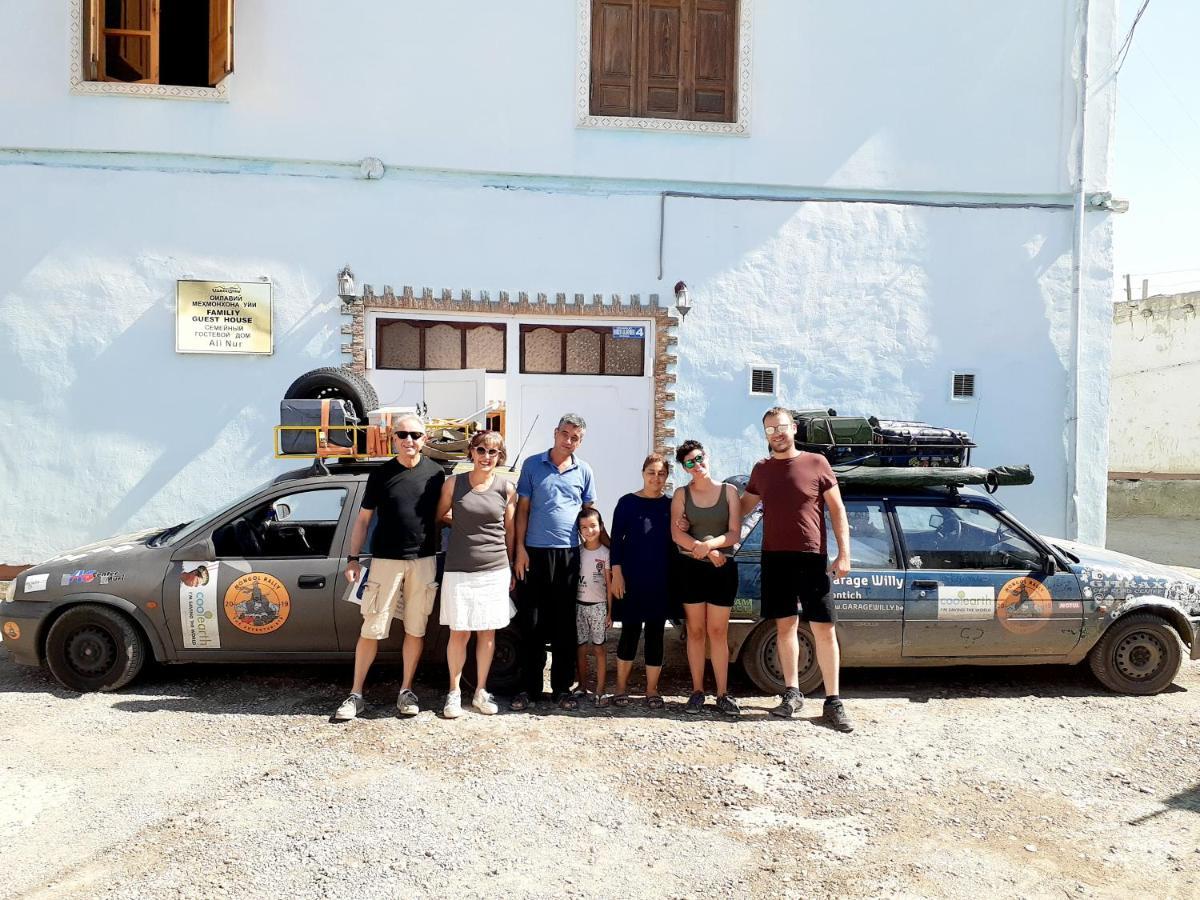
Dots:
{"x": 1080, "y": 211}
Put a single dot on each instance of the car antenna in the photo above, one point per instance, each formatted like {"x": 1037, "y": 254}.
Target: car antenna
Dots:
{"x": 513, "y": 465}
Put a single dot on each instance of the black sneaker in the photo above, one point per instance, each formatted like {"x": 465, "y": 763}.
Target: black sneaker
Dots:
{"x": 695, "y": 703}
{"x": 728, "y": 706}
{"x": 789, "y": 705}
{"x": 835, "y": 716}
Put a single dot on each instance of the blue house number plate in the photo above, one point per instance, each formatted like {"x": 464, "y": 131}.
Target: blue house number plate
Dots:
{"x": 637, "y": 332}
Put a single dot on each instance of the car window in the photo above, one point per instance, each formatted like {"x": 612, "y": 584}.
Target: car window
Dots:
{"x": 302, "y": 523}
{"x": 871, "y": 545}
{"x": 751, "y": 534}
{"x": 948, "y": 537}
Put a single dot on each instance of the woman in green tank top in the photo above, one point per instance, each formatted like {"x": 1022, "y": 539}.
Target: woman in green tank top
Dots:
{"x": 706, "y": 574}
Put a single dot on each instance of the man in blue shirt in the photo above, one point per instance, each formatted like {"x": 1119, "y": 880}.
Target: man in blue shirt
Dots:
{"x": 554, "y": 486}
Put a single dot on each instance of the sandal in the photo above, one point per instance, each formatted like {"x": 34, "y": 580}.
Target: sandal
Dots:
{"x": 621, "y": 700}
{"x": 519, "y": 703}
{"x": 567, "y": 702}
{"x": 655, "y": 702}
{"x": 601, "y": 700}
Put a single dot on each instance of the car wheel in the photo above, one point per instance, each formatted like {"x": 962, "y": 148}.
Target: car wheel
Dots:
{"x": 1139, "y": 654}
{"x": 94, "y": 648}
{"x": 761, "y": 664}
{"x": 504, "y": 677}
{"x": 335, "y": 383}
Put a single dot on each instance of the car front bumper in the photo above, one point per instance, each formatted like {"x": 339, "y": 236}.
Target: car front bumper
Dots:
{"x": 20, "y": 626}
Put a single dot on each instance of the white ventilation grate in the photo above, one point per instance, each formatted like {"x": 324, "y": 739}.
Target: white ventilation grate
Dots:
{"x": 762, "y": 381}
{"x": 964, "y": 386}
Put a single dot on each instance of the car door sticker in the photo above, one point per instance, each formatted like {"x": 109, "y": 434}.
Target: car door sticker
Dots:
{"x": 197, "y": 606}
{"x": 257, "y": 603}
{"x": 1024, "y": 605}
{"x": 35, "y": 583}
{"x": 969, "y": 603}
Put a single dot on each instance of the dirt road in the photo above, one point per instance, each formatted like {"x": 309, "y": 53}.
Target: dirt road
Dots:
{"x": 203, "y": 782}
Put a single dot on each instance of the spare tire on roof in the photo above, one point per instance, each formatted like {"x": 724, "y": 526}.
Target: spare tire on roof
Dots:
{"x": 335, "y": 383}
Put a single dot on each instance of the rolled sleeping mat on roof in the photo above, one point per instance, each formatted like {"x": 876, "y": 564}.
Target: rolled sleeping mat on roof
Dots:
{"x": 933, "y": 476}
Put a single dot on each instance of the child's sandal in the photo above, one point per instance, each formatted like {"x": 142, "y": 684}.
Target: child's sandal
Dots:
{"x": 601, "y": 700}
{"x": 621, "y": 700}
{"x": 655, "y": 702}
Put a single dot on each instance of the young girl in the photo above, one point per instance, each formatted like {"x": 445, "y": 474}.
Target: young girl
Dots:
{"x": 593, "y": 604}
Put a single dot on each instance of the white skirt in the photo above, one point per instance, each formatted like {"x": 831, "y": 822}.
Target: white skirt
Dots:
{"x": 477, "y": 601}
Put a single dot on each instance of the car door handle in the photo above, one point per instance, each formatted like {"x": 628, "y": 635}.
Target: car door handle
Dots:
{"x": 931, "y": 585}
{"x": 315, "y": 582}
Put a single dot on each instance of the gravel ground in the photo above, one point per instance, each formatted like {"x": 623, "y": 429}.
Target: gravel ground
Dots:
{"x": 213, "y": 781}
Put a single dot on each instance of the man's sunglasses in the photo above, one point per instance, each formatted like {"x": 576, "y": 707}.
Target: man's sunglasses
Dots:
{"x": 691, "y": 463}
{"x": 413, "y": 435}
{"x": 487, "y": 451}
{"x": 777, "y": 429}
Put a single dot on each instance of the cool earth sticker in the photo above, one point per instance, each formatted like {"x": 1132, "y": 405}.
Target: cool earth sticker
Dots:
{"x": 197, "y": 605}
{"x": 1024, "y": 605}
{"x": 257, "y": 603}
{"x": 966, "y": 603}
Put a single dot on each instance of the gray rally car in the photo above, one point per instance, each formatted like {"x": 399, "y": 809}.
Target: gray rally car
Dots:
{"x": 939, "y": 577}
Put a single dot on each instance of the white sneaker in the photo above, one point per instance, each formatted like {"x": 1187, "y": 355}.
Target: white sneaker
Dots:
{"x": 351, "y": 707}
{"x": 453, "y": 707}
{"x": 407, "y": 704}
{"x": 484, "y": 703}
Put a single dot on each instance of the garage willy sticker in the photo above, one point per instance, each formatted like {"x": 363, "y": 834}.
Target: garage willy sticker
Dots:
{"x": 257, "y": 603}
{"x": 35, "y": 583}
{"x": 198, "y": 606}
{"x": 966, "y": 603}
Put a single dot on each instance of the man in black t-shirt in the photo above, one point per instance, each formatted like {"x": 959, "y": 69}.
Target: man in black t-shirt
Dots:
{"x": 402, "y": 496}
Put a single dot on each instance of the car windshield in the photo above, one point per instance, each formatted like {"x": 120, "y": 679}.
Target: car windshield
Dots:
{"x": 190, "y": 528}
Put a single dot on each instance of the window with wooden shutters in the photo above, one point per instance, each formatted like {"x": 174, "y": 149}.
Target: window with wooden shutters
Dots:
{"x": 422, "y": 344}
{"x": 665, "y": 59}
{"x": 963, "y": 386}
{"x": 582, "y": 350}
{"x": 762, "y": 380}
{"x": 187, "y": 43}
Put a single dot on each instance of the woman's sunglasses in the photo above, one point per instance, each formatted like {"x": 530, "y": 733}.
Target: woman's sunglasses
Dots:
{"x": 691, "y": 463}
{"x": 487, "y": 451}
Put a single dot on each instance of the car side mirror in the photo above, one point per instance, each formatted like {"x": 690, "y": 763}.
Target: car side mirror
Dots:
{"x": 282, "y": 511}
{"x": 201, "y": 548}
{"x": 1049, "y": 565}
{"x": 936, "y": 520}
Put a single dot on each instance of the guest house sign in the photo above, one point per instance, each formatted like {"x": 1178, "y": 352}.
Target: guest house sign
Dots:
{"x": 223, "y": 317}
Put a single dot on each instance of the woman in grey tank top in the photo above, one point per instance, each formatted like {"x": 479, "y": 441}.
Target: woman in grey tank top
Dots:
{"x": 705, "y": 525}
{"x": 479, "y": 507}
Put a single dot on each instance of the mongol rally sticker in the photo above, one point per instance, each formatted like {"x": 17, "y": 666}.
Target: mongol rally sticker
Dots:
{"x": 1024, "y": 605}
{"x": 257, "y": 603}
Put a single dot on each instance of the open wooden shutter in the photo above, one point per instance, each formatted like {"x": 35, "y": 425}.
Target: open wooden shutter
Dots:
{"x": 90, "y": 33}
{"x": 663, "y": 88}
{"x": 614, "y": 57}
{"x": 713, "y": 60}
{"x": 220, "y": 40}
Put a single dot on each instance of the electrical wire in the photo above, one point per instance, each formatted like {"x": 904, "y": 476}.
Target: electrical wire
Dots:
{"x": 1123, "y": 50}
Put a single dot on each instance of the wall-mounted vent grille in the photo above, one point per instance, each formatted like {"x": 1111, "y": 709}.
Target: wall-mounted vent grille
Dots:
{"x": 964, "y": 385}
{"x": 762, "y": 381}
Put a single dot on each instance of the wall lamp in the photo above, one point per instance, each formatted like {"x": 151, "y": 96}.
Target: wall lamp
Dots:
{"x": 683, "y": 301}
{"x": 345, "y": 280}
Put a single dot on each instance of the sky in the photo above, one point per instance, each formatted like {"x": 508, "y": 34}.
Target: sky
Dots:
{"x": 1157, "y": 150}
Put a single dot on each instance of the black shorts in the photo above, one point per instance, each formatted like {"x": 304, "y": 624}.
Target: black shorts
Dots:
{"x": 699, "y": 581}
{"x": 795, "y": 583}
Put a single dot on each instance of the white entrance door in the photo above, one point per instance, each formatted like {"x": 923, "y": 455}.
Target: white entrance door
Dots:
{"x": 619, "y": 431}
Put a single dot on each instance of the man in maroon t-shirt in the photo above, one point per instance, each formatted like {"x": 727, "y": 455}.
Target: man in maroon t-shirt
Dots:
{"x": 794, "y": 488}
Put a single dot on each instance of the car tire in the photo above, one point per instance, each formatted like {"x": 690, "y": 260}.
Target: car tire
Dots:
{"x": 761, "y": 665}
{"x": 94, "y": 648}
{"x": 335, "y": 383}
{"x": 1138, "y": 654}
{"x": 505, "y": 675}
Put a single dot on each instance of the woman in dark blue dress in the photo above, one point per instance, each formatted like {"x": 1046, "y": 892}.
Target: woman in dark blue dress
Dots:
{"x": 640, "y": 555}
